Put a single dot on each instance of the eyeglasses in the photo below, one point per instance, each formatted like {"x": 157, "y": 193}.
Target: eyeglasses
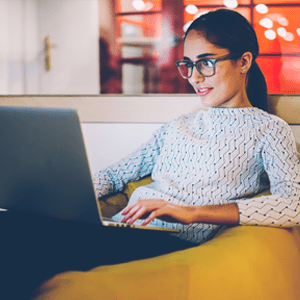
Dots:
{"x": 205, "y": 66}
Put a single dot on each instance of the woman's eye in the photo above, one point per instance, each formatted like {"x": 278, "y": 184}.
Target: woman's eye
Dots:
{"x": 207, "y": 63}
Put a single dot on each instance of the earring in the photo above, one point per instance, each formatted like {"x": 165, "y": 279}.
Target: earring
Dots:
{"x": 243, "y": 71}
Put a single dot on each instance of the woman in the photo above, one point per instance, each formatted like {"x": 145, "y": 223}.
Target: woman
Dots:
{"x": 207, "y": 166}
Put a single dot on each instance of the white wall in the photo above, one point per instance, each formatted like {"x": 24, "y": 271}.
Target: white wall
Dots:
{"x": 296, "y": 132}
{"x": 73, "y": 26}
{"x": 33, "y": 55}
{"x": 19, "y": 49}
{"x": 4, "y": 54}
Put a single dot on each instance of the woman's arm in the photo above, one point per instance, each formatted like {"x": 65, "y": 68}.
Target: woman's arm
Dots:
{"x": 133, "y": 167}
{"x": 149, "y": 209}
{"x": 281, "y": 162}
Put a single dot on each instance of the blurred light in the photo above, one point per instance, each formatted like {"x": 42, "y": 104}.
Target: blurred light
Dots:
{"x": 270, "y": 34}
{"x": 231, "y": 3}
{"x": 261, "y": 8}
{"x": 289, "y": 37}
{"x": 298, "y": 31}
{"x": 187, "y": 25}
{"x": 128, "y": 30}
{"x": 266, "y": 22}
{"x": 191, "y": 9}
{"x": 200, "y": 14}
{"x": 283, "y": 21}
{"x": 148, "y": 5}
{"x": 138, "y": 4}
{"x": 281, "y": 31}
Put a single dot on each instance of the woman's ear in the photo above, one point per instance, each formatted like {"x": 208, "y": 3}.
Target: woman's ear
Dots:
{"x": 246, "y": 62}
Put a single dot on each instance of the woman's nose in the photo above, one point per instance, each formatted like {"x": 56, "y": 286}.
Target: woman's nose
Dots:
{"x": 196, "y": 76}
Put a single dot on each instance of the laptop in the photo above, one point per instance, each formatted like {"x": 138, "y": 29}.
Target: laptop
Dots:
{"x": 44, "y": 168}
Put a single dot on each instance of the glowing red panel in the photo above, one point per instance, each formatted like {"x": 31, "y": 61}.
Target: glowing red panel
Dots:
{"x": 277, "y": 2}
{"x": 212, "y": 2}
{"x": 188, "y": 17}
{"x": 147, "y": 25}
{"x": 125, "y": 6}
{"x": 282, "y": 36}
{"x": 282, "y": 74}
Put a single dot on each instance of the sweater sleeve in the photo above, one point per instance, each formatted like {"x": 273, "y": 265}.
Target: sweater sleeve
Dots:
{"x": 133, "y": 167}
{"x": 281, "y": 162}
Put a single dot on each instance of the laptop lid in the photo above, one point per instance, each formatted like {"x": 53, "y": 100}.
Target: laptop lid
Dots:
{"x": 43, "y": 164}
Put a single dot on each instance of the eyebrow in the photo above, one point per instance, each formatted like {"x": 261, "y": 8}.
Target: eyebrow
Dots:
{"x": 200, "y": 56}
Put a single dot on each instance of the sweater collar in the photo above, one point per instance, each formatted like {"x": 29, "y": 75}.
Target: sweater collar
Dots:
{"x": 233, "y": 111}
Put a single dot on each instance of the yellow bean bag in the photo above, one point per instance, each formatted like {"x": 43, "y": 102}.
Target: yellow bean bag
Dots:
{"x": 239, "y": 263}
{"x": 243, "y": 262}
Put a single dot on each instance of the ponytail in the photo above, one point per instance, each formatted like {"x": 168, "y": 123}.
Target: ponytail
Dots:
{"x": 257, "y": 87}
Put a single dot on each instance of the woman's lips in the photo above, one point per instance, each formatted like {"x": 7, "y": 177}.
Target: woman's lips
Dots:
{"x": 203, "y": 91}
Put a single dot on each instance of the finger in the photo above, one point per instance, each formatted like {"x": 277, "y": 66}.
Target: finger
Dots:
{"x": 139, "y": 214}
{"x": 149, "y": 205}
{"x": 154, "y": 202}
{"x": 128, "y": 208}
{"x": 130, "y": 212}
{"x": 156, "y": 214}
{"x": 139, "y": 202}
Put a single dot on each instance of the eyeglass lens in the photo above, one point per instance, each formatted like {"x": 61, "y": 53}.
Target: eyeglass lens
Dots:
{"x": 204, "y": 66}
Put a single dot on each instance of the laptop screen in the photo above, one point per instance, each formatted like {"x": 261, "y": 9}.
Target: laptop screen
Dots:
{"x": 43, "y": 164}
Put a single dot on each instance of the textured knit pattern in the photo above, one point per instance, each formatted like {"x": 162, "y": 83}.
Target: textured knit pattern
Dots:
{"x": 216, "y": 157}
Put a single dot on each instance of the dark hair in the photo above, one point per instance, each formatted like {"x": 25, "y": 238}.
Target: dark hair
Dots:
{"x": 228, "y": 29}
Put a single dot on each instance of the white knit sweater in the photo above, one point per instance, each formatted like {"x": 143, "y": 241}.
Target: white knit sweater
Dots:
{"x": 215, "y": 157}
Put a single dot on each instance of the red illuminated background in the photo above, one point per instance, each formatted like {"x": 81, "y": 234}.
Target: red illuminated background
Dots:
{"x": 277, "y": 28}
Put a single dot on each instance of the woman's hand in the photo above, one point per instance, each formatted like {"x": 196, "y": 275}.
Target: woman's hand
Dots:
{"x": 150, "y": 209}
